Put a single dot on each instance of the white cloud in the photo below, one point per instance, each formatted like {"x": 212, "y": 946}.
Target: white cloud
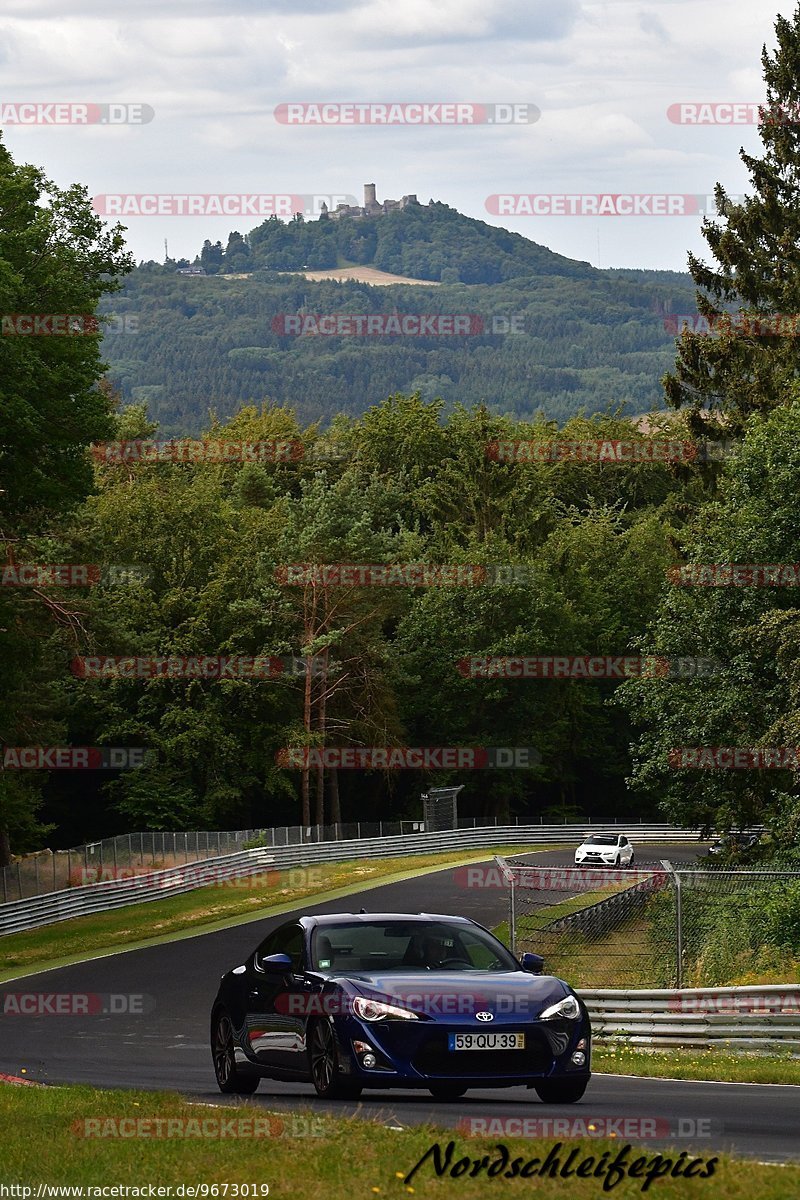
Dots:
{"x": 603, "y": 72}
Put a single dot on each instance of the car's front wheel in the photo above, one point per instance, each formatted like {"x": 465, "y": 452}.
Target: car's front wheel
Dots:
{"x": 323, "y": 1062}
{"x": 446, "y": 1091}
{"x": 229, "y": 1077}
{"x": 560, "y": 1091}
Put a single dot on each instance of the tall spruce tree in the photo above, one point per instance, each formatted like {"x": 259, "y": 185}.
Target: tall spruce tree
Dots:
{"x": 747, "y": 367}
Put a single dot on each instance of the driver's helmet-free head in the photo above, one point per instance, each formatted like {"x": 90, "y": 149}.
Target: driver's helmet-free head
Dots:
{"x": 434, "y": 951}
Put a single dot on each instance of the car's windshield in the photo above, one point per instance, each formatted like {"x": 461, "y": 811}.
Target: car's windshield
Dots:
{"x": 396, "y": 945}
{"x": 601, "y": 841}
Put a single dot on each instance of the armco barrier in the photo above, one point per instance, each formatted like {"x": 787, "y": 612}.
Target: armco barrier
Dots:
{"x": 98, "y": 897}
{"x": 758, "y": 1019}
{"x": 624, "y": 904}
{"x": 115, "y": 893}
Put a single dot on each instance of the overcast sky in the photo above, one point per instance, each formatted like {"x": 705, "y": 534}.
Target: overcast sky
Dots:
{"x": 214, "y": 71}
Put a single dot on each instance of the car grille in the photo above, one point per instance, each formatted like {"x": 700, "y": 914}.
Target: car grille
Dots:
{"x": 434, "y": 1058}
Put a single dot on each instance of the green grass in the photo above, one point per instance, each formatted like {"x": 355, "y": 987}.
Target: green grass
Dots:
{"x": 695, "y": 1064}
{"x": 208, "y": 908}
{"x": 42, "y": 1140}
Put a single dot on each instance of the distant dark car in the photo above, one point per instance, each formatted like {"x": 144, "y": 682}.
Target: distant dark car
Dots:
{"x": 349, "y": 1001}
{"x": 733, "y": 845}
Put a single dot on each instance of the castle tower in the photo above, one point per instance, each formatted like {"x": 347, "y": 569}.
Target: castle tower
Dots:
{"x": 370, "y": 200}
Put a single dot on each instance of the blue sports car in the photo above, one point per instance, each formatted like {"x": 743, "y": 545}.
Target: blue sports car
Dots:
{"x": 386, "y": 1000}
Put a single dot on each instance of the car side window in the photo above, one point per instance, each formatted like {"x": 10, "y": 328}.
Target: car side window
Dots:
{"x": 286, "y": 940}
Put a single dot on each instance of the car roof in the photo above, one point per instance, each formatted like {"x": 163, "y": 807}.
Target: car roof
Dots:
{"x": 349, "y": 918}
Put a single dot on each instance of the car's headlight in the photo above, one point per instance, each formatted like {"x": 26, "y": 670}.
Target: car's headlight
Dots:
{"x": 567, "y": 1008}
{"x": 376, "y": 1010}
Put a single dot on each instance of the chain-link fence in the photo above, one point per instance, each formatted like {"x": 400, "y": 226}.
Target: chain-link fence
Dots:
{"x": 136, "y": 853}
{"x": 654, "y": 926}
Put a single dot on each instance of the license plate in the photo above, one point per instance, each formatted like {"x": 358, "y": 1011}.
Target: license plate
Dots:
{"x": 486, "y": 1041}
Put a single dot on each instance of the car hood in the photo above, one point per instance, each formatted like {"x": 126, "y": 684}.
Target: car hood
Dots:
{"x": 511, "y": 994}
{"x": 596, "y": 846}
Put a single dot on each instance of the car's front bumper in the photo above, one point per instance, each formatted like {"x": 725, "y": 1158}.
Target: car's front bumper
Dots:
{"x": 416, "y": 1054}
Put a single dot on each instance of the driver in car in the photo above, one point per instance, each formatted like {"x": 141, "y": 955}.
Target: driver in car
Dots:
{"x": 434, "y": 952}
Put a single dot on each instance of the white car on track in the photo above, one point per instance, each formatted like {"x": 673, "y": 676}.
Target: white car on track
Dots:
{"x": 604, "y": 850}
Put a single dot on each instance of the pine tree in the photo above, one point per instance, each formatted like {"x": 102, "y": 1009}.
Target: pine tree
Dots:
{"x": 748, "y": 365}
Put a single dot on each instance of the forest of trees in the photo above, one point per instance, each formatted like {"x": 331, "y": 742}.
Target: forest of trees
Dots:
{"x": 424, "y": 241}
{"x": 407, "y": 478}
{"x": 546, "y": 341}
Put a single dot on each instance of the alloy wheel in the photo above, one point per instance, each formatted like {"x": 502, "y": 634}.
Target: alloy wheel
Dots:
{"x": 223, "y": 1050}
{"x": 323, "y": 1057}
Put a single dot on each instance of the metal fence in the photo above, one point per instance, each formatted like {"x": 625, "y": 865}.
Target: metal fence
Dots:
{"x": 137, "y": 853}
{"x": 758, "y": 1019}
{"x": 55, "y": 870}
{"x": 132, "y": 887}
{"x": 654, "y": 926}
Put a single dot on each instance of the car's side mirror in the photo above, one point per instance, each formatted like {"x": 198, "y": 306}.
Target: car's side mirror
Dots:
{"x": 533, "y": 963}
{"x": 275, "y": 964}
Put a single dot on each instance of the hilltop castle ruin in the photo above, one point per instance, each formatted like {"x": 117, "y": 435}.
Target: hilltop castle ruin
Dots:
{"x": 372, "y": 207}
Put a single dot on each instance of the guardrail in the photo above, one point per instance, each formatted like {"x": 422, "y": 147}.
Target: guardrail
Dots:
{"x": 53, "y": 870}
{"x": 116, "y": 893}
{"x": 620, "y": 905}
{"x": 756, "y": 1019}
{"x": 97, "y": 897}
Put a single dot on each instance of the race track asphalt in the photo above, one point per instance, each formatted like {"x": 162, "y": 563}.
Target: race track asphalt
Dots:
{"x": 168, "y": 1047}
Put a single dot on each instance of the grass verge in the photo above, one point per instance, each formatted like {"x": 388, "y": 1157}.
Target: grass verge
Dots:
{"x": 695, "y": 1064}
{"x": 208, "y": 908}
{"x": 43, "y": 1140}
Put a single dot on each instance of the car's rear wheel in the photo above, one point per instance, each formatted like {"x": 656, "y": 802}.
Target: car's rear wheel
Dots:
{"x": 323, "y": 1061}
{"x": 229, "y": 1077}
{"x": 446, "y": 1091}
{"x": 560, "y": 1091}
